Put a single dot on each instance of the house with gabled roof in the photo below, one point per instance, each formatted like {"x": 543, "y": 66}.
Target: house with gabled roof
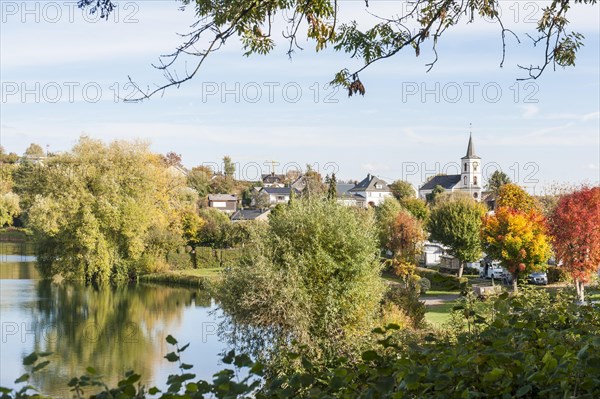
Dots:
{"x": 278, "y": 195}
{"x": 223, "y": 202}
{"x": 469, "y": 181}
{"x": 345, "y": 197}
{"x": 273, "y": 180}
{"x": 372, "y": 189}
{"x": 250, "y": 214}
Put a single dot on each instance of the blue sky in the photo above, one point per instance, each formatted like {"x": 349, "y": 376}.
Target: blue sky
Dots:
{"x": 61, "y": 70}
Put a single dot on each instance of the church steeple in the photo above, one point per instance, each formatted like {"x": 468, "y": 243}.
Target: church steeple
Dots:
{"x": 470, "y": 148}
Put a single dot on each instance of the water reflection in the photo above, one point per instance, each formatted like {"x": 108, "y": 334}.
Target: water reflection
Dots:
{"x": 112, "y": 328}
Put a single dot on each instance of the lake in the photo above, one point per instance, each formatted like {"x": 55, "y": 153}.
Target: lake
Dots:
{"x": 111, "y": 328}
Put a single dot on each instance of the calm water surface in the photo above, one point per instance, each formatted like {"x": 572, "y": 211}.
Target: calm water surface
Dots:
{"x": 112, "y": 328}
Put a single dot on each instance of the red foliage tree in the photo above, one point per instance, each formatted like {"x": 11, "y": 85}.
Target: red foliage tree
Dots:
{"x": 575, "y": 227}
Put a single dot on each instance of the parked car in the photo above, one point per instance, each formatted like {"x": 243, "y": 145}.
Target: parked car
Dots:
{"x": 538, "y": 278}
{"x": 493, "y": 270}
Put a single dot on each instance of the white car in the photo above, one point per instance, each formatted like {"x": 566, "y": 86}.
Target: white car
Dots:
{"x": 495, "y": 271}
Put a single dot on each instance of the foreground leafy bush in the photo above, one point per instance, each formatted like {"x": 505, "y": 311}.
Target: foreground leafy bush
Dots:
{"x": 440, "y": 281}
{"x": 530, "y": 346}
{"x": 310, "y": 279}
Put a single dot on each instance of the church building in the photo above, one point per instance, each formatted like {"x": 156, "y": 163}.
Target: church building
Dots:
{"x": 469, "y": 181}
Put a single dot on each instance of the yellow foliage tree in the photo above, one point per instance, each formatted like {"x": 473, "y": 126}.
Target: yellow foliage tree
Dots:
{"x": 517, "y": 238}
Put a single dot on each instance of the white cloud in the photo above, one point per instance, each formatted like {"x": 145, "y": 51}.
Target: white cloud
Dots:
{"x": 530, "y": 110}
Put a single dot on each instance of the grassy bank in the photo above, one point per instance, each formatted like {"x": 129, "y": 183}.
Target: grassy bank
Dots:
{"x": 16, "y": 235}
{"x": 196, "y": 278}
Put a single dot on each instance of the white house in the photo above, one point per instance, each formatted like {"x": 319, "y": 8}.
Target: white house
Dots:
{"x": 469, "y": 181}
{"x": 432, "y": 253}
{"x": 372, "y": 190}
{"x": 278, "y": 195}
{"x": 345, "y": 197}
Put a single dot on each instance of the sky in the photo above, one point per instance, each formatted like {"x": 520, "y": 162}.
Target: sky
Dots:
{"x": 63, "y": 71}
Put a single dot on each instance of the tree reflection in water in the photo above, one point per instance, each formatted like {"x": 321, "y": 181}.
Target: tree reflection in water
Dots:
{"x": 112, "y": 328}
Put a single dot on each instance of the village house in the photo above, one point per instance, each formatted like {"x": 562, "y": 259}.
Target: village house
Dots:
{"x": 273, "y": 180}
{"x": 223, "y": 202}
{"x": 345, "y": 197}
{"x": 432, "y": 253}
{"x": 250, "y": 214}
{"x": 372, "y": 190}
{"x": 277, "y": 195}
{"x": 469, "y": 181}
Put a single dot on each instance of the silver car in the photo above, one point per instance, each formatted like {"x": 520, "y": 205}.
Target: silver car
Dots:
{"x": 538, "y": 278}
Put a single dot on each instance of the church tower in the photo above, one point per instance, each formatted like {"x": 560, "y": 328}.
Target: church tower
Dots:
{"x": 470, "y": 178}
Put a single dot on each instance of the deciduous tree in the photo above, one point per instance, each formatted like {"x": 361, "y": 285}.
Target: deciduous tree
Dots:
{"x": 325, "y": 23}
{"x": 518, "y": 238}
{"x": 311, "y": 278}
{"x": 497, "y": 180}
{"x": 34, "y": 151}
{"x": 199, "y": 179}
{"x": 406, "y": 238}
{"x": 402, "y": 189}
{"x": 456, "y": 223}
{"x": 385, "y": 216}
{"x": 93, "y": 208}
{"x": 435, "y": 194}
{"x": 9, "y": 208}
{"x": 575, "y": 227}
{"x": 513, "y": 196}
{"x": 417, "y": 207}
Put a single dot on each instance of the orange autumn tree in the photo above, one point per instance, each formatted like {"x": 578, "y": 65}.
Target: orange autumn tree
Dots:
{"x": 405, "y": 241}
{"x": 516, "y": 234}
{"x": 575, "y": 227}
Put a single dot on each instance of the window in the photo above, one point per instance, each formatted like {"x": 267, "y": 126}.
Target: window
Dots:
{"x": 378, "y": 186}
{"x": 465, "y": 167}
{"x": 475, "y": 195}
{"x": 465, "y": 180}
{"x": 475, "y": 180}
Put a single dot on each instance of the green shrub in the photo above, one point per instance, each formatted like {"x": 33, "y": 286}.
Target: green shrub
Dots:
{"x": 557, "y": 274}
{"x": 407, "y": 299}
{"x": 442, "y": 282}
{"x": 179, "y": 260}
{"x": 311, "y": 280}
{"x": 425, "y": 285}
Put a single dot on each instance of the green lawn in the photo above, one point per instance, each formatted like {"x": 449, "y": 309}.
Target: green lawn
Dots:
{"x": 431, "y": 293}
{"x": 439, "y": 314}
{"x": 202, "y": 272}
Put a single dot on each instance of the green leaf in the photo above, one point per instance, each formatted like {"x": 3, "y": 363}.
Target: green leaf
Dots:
{"x": 369, "y": 356}
{"x": 494, "y": 375}
{"x": 187, "y": 366}
{"x": 153, "y": 391}
{"x": 523, "y": 391}
{"x": 90, "y": 370}
{"x": 184, "y": 348}
{"x": 30, "y": 359}
{"x": 22, "y": 378}
{"x": 171, "y": 340}
{"x": 172, "y": 357}
{"x": 41, "y": 365}
{"x": 191, "y": 387}
{"x": 132, "y": 379}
